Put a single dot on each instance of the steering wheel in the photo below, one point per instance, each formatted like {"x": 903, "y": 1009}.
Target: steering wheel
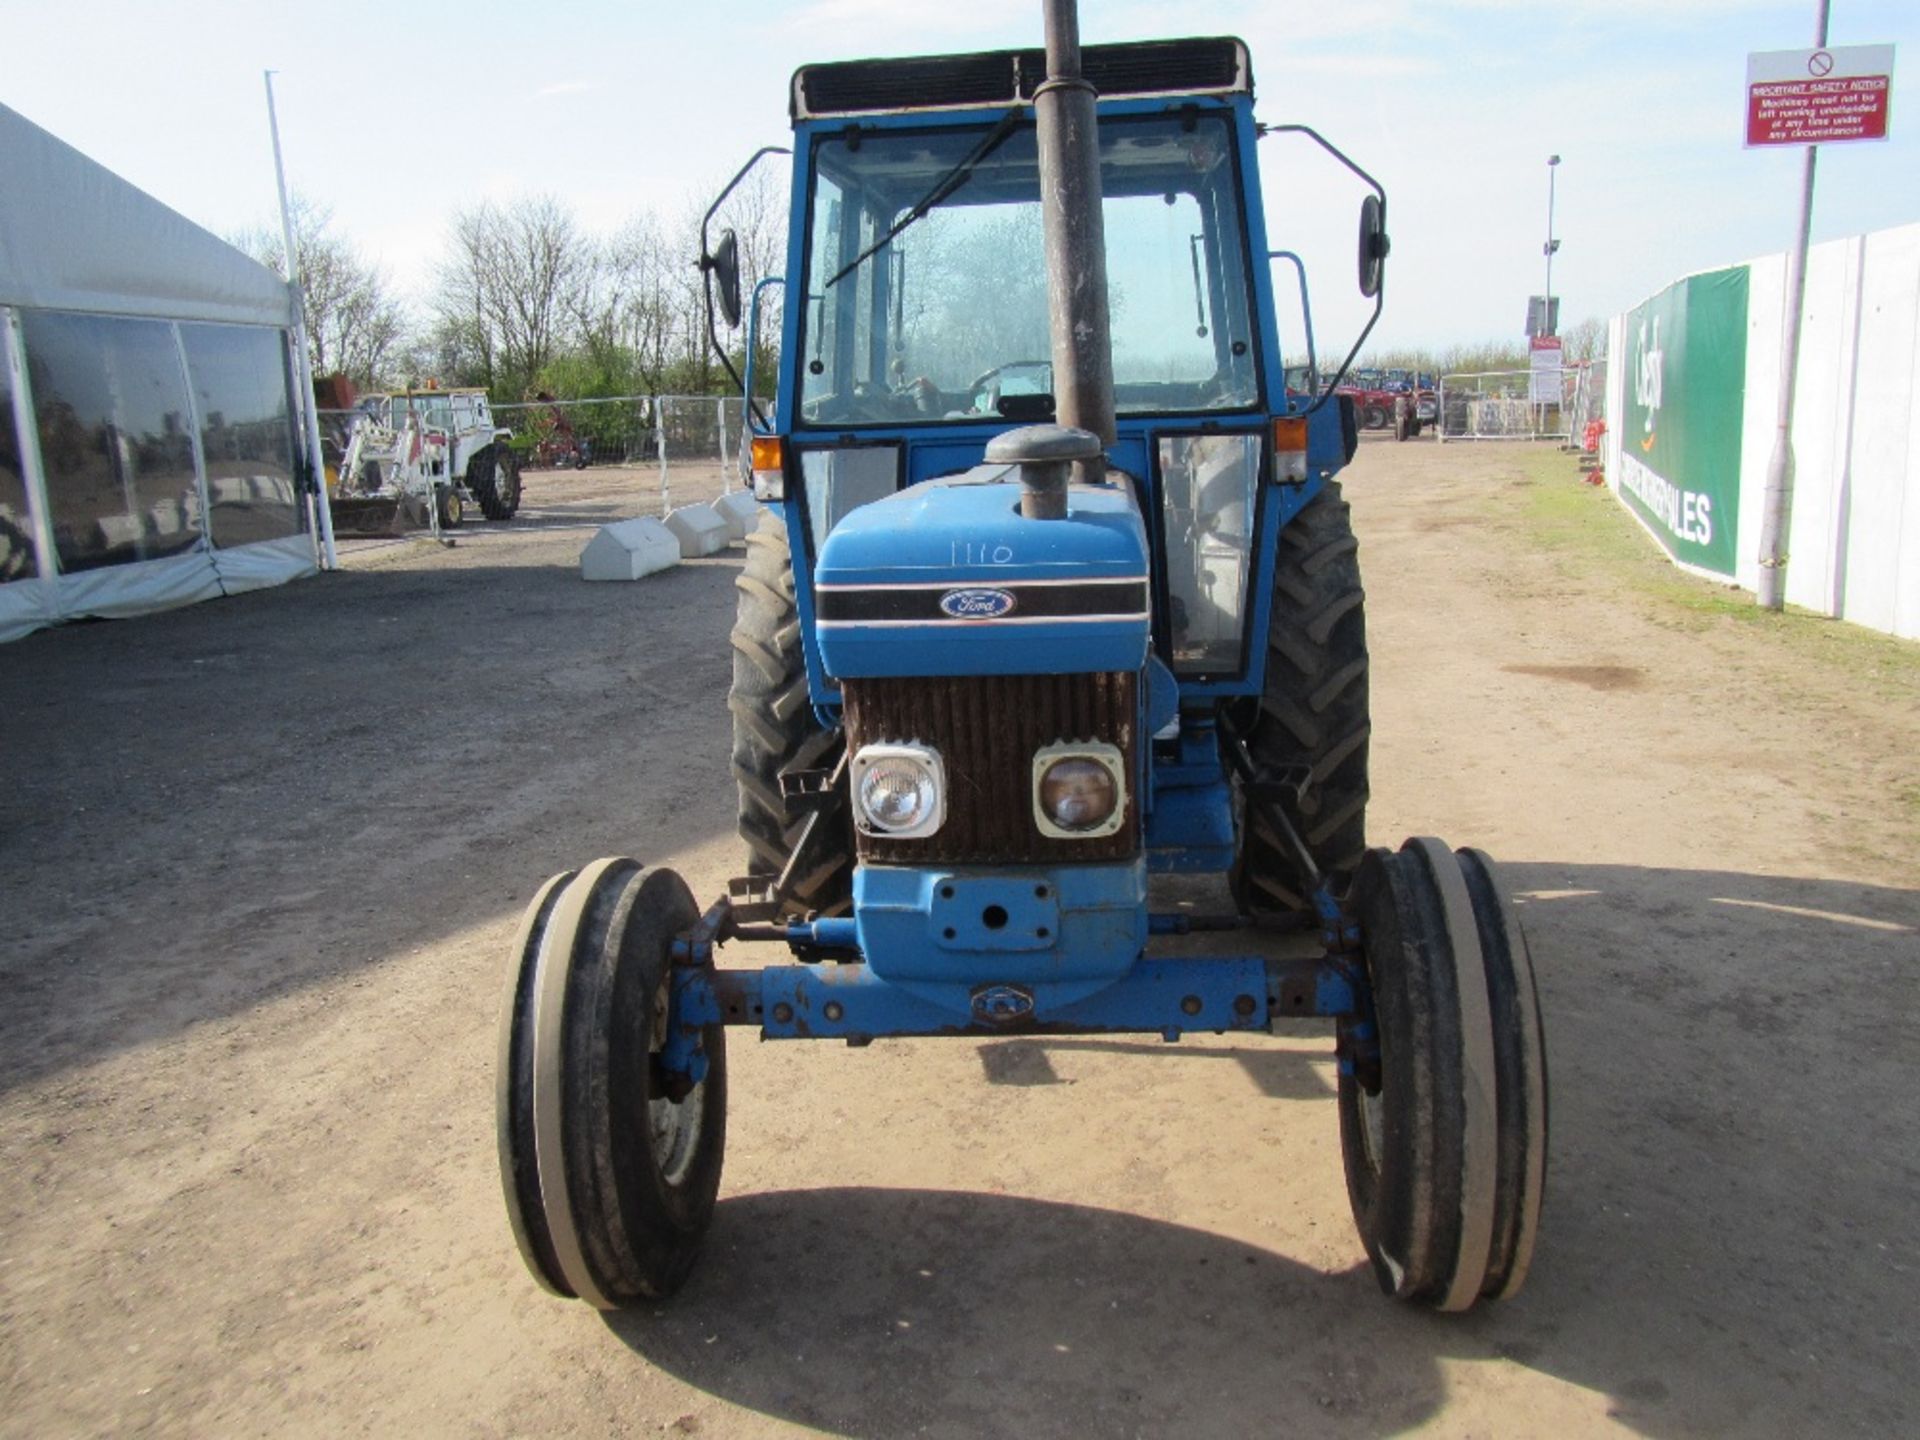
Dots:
{"x": 986, "y": 385}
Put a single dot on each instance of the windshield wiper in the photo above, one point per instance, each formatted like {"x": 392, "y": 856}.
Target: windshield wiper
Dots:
{"x": 942, "y": 189}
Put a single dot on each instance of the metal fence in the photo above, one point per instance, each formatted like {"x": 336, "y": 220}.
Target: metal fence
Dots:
{"x": 698, "y": 436}
{"x": 1587, "y": 401}
{"x": 1498, "y": 405}
{"x": 693, "y": 441}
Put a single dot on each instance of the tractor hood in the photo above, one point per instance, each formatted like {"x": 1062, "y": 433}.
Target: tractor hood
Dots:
{"x": 948, "y": 578}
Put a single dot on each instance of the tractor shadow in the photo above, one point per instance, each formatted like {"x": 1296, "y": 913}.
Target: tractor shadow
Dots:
{"x": 1727, "y": 1246}
{"x": 881, "y": 1313}
{"x": 1277, "y": 1074}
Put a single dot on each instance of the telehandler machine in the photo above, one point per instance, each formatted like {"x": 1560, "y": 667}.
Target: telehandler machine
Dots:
{"x": 1055, "y": 593}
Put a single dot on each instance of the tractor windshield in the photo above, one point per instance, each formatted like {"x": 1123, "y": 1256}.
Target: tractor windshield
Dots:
{"x": 947, "y": 320}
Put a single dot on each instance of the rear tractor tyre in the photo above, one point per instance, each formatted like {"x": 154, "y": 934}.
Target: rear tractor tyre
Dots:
{"x": 1446, "y": 1154}
{"x": 1312, "y": 716}
{"x": 609, "y": 1184}
{"x": 494, "y": 477}
{"x": 1373, "y": 417}
{"x": 775, "y": 729}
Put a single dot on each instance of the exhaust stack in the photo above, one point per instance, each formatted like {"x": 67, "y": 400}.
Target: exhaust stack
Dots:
{"x": 1069, "y": 155}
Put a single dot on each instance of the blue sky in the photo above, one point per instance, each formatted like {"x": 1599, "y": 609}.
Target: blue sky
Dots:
{"x": 392, "y": 113}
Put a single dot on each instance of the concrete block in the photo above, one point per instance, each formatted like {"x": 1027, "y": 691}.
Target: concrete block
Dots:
{"x": 741, "y": 512}
{"x": 629, "y": 549}
{"x": 701, "y": 531}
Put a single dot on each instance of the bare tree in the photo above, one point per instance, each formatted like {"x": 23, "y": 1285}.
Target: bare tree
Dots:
{"x": 504, "y": 290}
{"x": 353, "y": 322}
{"x": 1587, "y": 340}
{"x": 639, "y": 272}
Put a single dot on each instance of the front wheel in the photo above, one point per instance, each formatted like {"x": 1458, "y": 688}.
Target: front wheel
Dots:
{"x": 609, "y": 1182}
{"x": 1445, "y": 1139}
{"x": 452, "y": 506}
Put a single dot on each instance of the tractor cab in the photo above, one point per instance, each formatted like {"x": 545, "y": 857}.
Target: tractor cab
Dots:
{"x": 918, "y": 329}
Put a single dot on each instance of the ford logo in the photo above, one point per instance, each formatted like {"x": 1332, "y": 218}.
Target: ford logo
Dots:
{"x": 1002, "y": 1004}
{"x": 977, "y": 604}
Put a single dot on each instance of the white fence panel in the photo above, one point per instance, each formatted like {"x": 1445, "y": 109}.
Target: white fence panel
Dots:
{"x": 1495, "y": 405}
{"x": 1854, "y": 542}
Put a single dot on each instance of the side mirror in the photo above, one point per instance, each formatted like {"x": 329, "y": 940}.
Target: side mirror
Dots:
{"x": 1374, "y": 245}
{"x": 724, "y": 264}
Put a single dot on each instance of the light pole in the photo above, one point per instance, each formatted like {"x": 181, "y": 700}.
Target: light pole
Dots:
{"x": 1547, "y": 325}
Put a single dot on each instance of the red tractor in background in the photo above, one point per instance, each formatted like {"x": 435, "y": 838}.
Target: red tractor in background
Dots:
{"x": 1389, "y": 400}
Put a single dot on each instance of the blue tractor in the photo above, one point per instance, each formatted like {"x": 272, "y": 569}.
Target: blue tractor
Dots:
{"x": 1054, "y": 594}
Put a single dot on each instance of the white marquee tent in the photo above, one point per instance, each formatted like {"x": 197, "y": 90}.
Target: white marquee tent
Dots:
{"x": 150, "y": 437}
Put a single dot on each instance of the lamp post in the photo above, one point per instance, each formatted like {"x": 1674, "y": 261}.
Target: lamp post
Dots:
{"x": 1547, "y": 325}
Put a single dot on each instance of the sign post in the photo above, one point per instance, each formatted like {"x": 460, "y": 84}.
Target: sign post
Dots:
{"x": 1811, "y": 98}
{"x": 1545, "y": 357}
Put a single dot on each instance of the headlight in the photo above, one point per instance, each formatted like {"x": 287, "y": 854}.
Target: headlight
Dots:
{"x": 899, "y": 791}
{"x": 1079, "y": 791}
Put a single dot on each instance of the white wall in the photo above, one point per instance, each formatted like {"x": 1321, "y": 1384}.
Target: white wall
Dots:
{"x": 1881, "y": 569}
{"x": 1854, "y": 546}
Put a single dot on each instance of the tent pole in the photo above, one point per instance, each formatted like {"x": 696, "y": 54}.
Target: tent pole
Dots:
{"x": 302, "y": 365}
{"x": 32, "y": 465}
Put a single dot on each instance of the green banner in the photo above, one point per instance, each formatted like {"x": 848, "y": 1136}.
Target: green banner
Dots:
{"x": 1680, "y": 445}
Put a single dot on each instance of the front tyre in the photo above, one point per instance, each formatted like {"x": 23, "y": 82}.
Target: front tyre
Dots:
{"x": 609, "y": 1184}
{"x": 1445, "y": 1139}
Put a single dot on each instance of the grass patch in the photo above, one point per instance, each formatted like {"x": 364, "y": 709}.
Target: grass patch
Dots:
{"x": 1591, "y": 534}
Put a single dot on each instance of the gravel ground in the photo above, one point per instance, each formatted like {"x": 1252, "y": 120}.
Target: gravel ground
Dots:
{"x": 263, "y": 857}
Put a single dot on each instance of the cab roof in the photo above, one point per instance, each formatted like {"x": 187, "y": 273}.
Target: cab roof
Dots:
{"x": 1212, "y": 66}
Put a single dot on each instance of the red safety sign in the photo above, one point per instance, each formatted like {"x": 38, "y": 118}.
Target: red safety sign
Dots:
{"x": 1819, "y": 97}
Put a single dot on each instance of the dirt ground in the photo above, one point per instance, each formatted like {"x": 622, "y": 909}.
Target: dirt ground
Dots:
{"x": 262, "y": 858}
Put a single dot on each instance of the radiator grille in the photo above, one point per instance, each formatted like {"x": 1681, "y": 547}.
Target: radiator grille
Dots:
{"x": 987, "y": 729}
